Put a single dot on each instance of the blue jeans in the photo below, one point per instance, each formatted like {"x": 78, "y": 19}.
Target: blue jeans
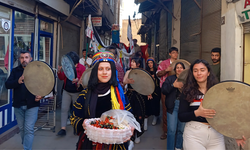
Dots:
{"x": 175, "y": 129}
{"x": 26, "y": 119}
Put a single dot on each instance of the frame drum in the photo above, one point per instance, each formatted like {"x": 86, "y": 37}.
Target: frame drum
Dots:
{"x": 231, "y": 101}
{"x": 186, "y": 64}
{"x": 144, "y": 83}
{"x": 68, "y": 67}
{"x": 85, "y": 77}
{"x": 39, "y": 78}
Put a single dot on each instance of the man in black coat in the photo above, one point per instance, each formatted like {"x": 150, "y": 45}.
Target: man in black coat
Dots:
{"x": 25, "y": 104}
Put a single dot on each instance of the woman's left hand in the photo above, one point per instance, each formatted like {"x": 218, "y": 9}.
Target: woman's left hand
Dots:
{"x": 241, "y": 142}
{"x": 150, "y": 97}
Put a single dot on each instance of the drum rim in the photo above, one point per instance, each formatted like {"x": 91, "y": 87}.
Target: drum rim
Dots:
{"x": 72, "y": 64}
{"x": 84, "y": 73}
{"x": 51, "y": 71}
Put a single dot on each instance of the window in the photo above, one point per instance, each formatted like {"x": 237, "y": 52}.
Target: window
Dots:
{"x": 5, "y": 15}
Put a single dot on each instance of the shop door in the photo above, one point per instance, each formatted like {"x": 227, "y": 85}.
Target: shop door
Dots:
{"x": 247, "y": 58}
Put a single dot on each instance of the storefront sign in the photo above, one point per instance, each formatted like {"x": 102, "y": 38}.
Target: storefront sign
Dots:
{"x": 97, "y": 21}
{"x": 243, "y": 11}
{"x": 6, "y": 25}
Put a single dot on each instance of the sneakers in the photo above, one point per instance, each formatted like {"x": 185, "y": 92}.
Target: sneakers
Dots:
{"x": 154, "y": 120}
{"x": 163, "y": 136}
{"x": 146, "y": 124}
{"x": 62, "y": 132}
{"x": 137, "y": 140}
{"x": 131, "y": 145}
{"x": 68, "y": 122}
{"x": 177, "y": 149}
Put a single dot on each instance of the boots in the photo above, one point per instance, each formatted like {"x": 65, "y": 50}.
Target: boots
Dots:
{"x": 146, "y": 124}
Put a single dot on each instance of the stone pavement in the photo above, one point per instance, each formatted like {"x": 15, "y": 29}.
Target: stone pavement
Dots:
{"x": 47, "y": 140}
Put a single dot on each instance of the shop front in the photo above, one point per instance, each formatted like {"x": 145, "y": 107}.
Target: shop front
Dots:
{"x": 17, "y": 33}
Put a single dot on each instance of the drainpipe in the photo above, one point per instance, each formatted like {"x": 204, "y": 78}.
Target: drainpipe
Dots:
{"x": 154, "y": 39}
{"x": 36, "y": 33}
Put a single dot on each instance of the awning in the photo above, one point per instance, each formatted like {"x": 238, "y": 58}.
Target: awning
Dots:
{"x": 144, "y": 29}
{"x": 146, "y": 6}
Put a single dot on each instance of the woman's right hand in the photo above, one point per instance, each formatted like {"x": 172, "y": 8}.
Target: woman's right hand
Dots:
{"x": 84, "y": 124}
{"x": 241, "y": 142}
{"x": 130, "y": 81}
{"x": 59, "y": 69}
{"x": 206, "y": 113}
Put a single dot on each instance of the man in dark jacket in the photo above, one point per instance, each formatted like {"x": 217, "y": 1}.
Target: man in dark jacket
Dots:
{"x": 25, "y": 104}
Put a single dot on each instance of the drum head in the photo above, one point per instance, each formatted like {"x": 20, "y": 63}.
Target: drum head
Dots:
{"x": 85, "y": 77}
{"x": 39, "y": 78}
{"x": 186, "y": 64}
{"x": 183, "y": 77}
{"x": 68, "y": 67}
{"x": 231, "y": 101}
{"x": 144, "y": 83}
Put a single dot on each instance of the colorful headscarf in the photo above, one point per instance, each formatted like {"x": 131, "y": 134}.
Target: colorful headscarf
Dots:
{"x": 103, "y": 56}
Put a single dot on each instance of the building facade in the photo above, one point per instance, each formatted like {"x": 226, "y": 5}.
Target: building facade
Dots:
{"x": 48, "y": 29}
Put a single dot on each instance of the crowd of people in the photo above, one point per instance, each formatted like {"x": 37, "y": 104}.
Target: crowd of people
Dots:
{"x": 183, "y": 117}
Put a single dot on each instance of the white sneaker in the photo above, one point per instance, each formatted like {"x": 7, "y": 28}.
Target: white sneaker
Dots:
{"x": 177, "y": 149}
{"x": 154, "y": 120}
{"x": 131, "y": 145}
{"x": 137, "y": 140}
{"x": 68, "y": 122}
{"x": 146, "y": 124}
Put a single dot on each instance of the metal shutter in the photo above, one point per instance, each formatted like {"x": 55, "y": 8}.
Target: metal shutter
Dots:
{"x": 163, "y": 35}
{"x": 211, "y": 27}
{"x": 190, "y": 29}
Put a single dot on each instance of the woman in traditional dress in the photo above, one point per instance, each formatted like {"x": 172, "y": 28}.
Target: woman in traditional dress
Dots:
{"x": 152, "y": 101}
{"x": 136, "y": 100}
{"x": 103, "y": 93}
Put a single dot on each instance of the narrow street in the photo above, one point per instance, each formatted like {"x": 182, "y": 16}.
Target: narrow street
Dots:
{"x": 47, "y": 140}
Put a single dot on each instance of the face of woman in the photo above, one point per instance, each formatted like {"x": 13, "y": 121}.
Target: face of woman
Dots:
{"x": 179, "y": 69}
{"x": 200, "y": 73}
{"x": 133, "y": 64}
{"x": 104, "y": 72}
{"x": 150, "y": 64}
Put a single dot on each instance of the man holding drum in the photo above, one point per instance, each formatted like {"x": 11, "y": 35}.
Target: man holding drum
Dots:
{"x": 25, "y": 104}
{"x": 162, "y": 72}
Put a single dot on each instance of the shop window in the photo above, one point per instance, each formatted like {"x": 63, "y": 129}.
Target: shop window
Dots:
{"x": 5, "y": 16}
{"x": 44, "y": 50}
{"x": 24, "y": 27}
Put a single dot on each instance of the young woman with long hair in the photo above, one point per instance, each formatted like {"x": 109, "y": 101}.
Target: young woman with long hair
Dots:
{"x": 198, "y": 134}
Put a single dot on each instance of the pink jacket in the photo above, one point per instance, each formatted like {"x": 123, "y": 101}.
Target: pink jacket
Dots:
{"x": 163, "y": 65}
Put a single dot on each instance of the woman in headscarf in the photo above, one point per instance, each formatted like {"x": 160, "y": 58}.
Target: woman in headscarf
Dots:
{"x": 152, "y": 101}
{"x": 103, "y": 93}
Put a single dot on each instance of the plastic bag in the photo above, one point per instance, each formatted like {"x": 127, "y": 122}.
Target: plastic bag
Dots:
{"x": 123, "y": 117}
